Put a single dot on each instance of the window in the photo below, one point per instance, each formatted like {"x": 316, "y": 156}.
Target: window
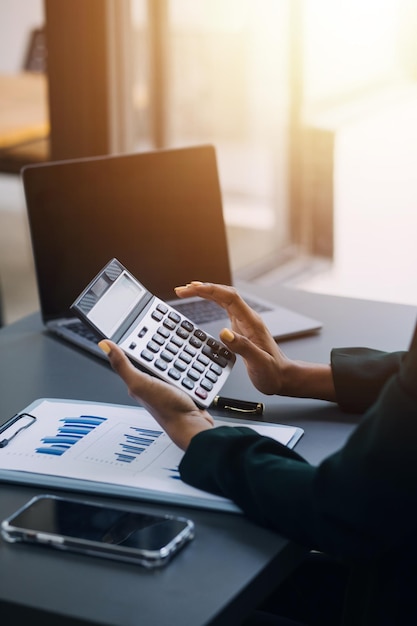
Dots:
{"x": 222, "y": 79}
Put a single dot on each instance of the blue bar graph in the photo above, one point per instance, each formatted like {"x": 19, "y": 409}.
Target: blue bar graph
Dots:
{"x": 73, "y": 430}
{"x": 136, "y": 441}
{"x": 174, "y": 472}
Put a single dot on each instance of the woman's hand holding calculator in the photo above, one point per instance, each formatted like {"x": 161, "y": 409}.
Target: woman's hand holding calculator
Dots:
{"x": 153, "y": 334}
{"x": 173, "y": 409}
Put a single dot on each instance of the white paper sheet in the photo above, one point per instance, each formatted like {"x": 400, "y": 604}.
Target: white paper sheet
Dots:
{"x": 113, "y": 449}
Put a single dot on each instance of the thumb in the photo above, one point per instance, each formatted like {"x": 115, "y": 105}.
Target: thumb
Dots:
{"x": 118, "y": 360}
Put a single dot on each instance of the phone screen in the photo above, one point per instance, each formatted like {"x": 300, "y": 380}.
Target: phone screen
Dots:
{"x": 82, "y": 524}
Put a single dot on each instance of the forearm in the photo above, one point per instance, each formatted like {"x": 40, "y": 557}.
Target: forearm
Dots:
{"x": 239, "y": 464}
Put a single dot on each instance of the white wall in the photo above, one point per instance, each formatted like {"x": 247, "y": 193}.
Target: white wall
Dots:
{"x": 17, "y": 18}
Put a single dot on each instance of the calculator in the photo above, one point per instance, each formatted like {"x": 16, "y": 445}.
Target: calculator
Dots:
{"x": 154, "y": 336}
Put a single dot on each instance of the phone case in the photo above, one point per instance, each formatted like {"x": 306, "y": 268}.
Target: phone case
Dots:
{"x": 175, "y": 534}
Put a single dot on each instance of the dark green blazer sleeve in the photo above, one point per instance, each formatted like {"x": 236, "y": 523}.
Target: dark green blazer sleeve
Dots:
{"x": 358, "y": 503}
{"x": 359, "y": 375}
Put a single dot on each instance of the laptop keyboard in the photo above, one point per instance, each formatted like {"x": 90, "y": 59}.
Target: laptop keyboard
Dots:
{"x": 203, "y": 311}
{"x": 200, "y": 312}
{"x": 79, "y": 328}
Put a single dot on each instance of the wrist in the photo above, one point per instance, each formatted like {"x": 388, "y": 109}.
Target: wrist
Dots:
{"x": 188, "y": 427}
{"x": 300, "y": 379}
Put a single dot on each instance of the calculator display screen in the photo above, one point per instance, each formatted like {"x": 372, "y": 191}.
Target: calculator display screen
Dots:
{"x": 116, "y": 304}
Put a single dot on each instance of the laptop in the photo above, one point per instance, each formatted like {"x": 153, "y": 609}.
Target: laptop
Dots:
{"x": 160, "y": 213}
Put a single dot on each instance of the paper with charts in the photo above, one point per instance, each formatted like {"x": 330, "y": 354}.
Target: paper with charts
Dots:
{"x": 109, "y": 449}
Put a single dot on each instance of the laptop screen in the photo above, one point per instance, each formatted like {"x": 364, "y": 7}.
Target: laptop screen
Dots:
{"x": 160, "y": 213}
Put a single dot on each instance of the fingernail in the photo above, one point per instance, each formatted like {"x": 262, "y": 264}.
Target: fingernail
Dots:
{"x": 103, "y": 345}
{"x": 181, "y": 288}
{"x": 196, "y": 282}
{"x": 227, "y": 335}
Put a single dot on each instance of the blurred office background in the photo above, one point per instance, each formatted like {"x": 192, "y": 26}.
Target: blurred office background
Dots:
{"x": 311, "y": 105}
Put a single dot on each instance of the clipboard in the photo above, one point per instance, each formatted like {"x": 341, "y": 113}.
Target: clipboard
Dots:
{"x": 108, "y": 449}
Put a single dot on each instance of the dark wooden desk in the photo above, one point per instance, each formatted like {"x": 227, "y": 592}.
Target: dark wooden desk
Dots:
{"x": 232, "y": 564}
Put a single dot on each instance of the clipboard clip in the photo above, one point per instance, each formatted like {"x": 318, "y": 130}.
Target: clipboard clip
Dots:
{"x": 16, "y": 424}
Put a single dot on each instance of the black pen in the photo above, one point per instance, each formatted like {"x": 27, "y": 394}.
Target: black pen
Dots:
{"x": 238, "y": 406}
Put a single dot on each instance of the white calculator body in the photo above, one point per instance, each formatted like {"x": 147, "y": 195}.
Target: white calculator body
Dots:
{"x": 153, "y": 334}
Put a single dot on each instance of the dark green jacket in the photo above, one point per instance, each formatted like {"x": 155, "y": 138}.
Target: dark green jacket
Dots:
{"x": 359, "y": 504}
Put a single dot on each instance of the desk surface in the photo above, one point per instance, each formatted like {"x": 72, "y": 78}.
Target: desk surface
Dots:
{"x": 204, "y": 584}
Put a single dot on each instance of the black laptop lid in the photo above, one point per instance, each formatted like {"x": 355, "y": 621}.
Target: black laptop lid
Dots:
{"x": 160, "y": 213}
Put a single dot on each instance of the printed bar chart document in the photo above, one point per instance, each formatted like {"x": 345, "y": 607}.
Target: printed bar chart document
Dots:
{"x": 107, "y": 449}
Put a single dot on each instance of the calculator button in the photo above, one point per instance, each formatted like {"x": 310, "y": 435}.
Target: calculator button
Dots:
{"x": 167, "y": 356}
{"x": 174, "y": 317}
{"x": 132, "y": 346}
{"x": 169, "y": 324}
{"x": 157, "y": 315}
{"x": 181, "y": 332}
{"x": 158, "y": 339}
{"x": 190, "y": 350}
{"x": 203, "y": 359}
{"x": 145, "y": 354}
{"x": 161, "y": 365}
{"x": 163, "y": 331}
{"x": 226, "y": 353}
{"x": 173, "y": 349}
{"x": 186, "y": 382}
{"x": 193, "y": 374}
{"x": 206, "y": 384}
{"x": 200, "y": 334}
{"x": 178, "y": 342}
{"x": 185, "y": 357}
{"x": 212, "y": 376}
{"x": 180, "y": 365}
{"x": 162, "y": 308}
{"x": 214, "y": 356}
{"x": 187, "y": 325}
{"x": 216, "y": 369}
{"x": 213, "y": 343}
{"x": 220, "y": 360}
{"x": 201, "y": 393}
{"x": 199, "y": 367}
{"x": 195, "y": 342}
{"x": 174, "y": 373}
{"x": 142, "y": 332}
{"x": 152, "y": 346}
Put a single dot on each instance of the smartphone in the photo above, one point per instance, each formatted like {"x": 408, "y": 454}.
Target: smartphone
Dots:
{"x": 100, "y": 530}
{"x": 153, "y": 334}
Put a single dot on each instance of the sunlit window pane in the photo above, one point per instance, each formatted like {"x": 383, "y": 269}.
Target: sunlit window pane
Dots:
{"x": 227, "y": 84}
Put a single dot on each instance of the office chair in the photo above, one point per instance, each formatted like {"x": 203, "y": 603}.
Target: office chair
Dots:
{"x": 36, "y": 53}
